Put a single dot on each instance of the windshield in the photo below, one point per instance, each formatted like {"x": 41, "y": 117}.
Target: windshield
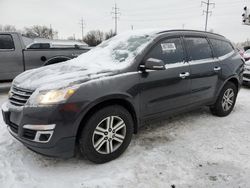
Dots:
{"x": 120, "y": 50}
{"x": 116, "y": 52}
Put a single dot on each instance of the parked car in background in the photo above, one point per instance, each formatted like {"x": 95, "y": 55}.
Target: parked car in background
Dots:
{"x": 241, "y": 52}
{"x": 40, "y": 43}
{"x": 246, "y": 75}
{"x": 246, "y": 55}
{"x": 19, "y": 53}
{"x": 98, "y": 100}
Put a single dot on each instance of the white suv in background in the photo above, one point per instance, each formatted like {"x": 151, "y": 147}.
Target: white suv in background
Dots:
{"x": 246, "y": 75}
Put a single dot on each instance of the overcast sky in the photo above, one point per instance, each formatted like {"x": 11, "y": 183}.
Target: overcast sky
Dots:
{"x": 65, "y": 15}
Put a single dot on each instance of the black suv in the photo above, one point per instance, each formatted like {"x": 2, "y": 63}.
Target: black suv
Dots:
{"x": 98, "y": 100}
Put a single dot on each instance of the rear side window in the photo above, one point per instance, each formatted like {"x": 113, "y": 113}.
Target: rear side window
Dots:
{"x": 169, "y": 51}
{"x": 198, "y": 48}
{"x": 221, "y": 48}
{"x": 6, "y": 42}
{"x": 40, "y": 46}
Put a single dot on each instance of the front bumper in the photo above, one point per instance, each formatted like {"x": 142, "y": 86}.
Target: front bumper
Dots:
{"x": 63, "y": 137}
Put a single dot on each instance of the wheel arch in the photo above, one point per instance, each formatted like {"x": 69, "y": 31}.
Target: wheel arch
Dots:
{"x": 232, "y": 79}
{"x": 101, "y": 103}
{"x": 235, "y": 81}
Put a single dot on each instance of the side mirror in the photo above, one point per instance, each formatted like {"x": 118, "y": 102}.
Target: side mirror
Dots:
{"x": 153, "y": 64}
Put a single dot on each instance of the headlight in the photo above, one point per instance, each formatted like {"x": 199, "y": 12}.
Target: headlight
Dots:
{"x": 52, "y": 96}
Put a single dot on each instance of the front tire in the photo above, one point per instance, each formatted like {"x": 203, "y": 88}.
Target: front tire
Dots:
{"x": 107, "y": 134}
{"x": 226, "y": 100}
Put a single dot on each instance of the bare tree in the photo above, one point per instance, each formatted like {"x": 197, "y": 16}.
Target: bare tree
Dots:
{"x": 243, "y": 45}
{"x": 40, "y": 31}
{"x": 93, "y": 38}
{"x": 109, "y": 34}
{"x": 7, "y": 28}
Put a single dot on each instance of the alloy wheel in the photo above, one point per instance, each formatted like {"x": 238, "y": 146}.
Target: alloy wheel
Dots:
{"x": 228, "y": 99}
{"x": 109, "y": 135}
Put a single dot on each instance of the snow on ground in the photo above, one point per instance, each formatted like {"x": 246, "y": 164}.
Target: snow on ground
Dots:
{"x": 195, "y": 149}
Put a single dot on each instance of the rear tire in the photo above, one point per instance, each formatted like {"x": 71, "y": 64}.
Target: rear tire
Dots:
{"x": 226, "y": 100}
{"x": 106, "y": 134}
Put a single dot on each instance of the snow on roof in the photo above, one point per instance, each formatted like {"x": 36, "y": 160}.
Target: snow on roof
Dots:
{"x": 116, "y": 52}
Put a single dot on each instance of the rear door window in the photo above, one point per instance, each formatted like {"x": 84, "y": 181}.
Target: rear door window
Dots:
{"x": 221, "y": 48}
{"x": 198, "y": 48}
{"x": 6, "y": 42}
{"x": 169, "y": 51}
{"x": 40, "y": 46}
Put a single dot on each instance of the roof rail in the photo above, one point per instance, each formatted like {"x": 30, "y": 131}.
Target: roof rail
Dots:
{"x": 190, "y": 30}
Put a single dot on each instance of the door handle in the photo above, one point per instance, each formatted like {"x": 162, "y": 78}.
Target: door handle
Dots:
{"x": 184, "y": 75}
{"x": 217, "y": 69}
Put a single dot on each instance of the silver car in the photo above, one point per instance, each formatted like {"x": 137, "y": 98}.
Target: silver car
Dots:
{"x": 246, "y": 75}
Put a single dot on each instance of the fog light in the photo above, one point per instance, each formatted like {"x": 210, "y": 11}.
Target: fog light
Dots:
{"x": 43, "y": 136}
{"x": 43, "y": 132}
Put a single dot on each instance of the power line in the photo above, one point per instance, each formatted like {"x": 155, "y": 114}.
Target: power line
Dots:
{"x": 82, "y": 24}
{"x": 207, "y": 11}
{"x": 116, "y": 13}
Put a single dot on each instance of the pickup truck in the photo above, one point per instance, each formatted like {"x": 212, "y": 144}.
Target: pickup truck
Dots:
{"x": 17, "y": 56}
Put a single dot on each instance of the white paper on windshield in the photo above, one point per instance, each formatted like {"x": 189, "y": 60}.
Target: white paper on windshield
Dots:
{"x": 168, "y": 47}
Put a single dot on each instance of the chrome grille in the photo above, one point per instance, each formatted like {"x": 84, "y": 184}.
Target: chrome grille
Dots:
{"x": 19, "y": 96}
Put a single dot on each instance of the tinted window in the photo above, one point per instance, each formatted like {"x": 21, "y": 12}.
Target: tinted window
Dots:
{"x": 6, "y": 42}
{"x": 40, "y": 46}
{"x": 34, "y": 46}
{"x": 221, "y": 48}
{"x": 198, "y": 48}
{"x": 169, "y": 51}
{"x": 44, "y": 45}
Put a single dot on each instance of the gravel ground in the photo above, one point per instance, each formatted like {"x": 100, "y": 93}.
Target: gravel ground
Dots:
{"x": 195, "y": 149}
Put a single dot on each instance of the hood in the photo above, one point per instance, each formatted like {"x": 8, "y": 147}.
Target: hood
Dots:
{"x": 58, "y": 76}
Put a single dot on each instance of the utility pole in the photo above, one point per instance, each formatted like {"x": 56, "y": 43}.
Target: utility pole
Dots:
{"x": 82, "y": 24}
{"x": 116, "y": 13}
{"x": 207, "y": 11}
